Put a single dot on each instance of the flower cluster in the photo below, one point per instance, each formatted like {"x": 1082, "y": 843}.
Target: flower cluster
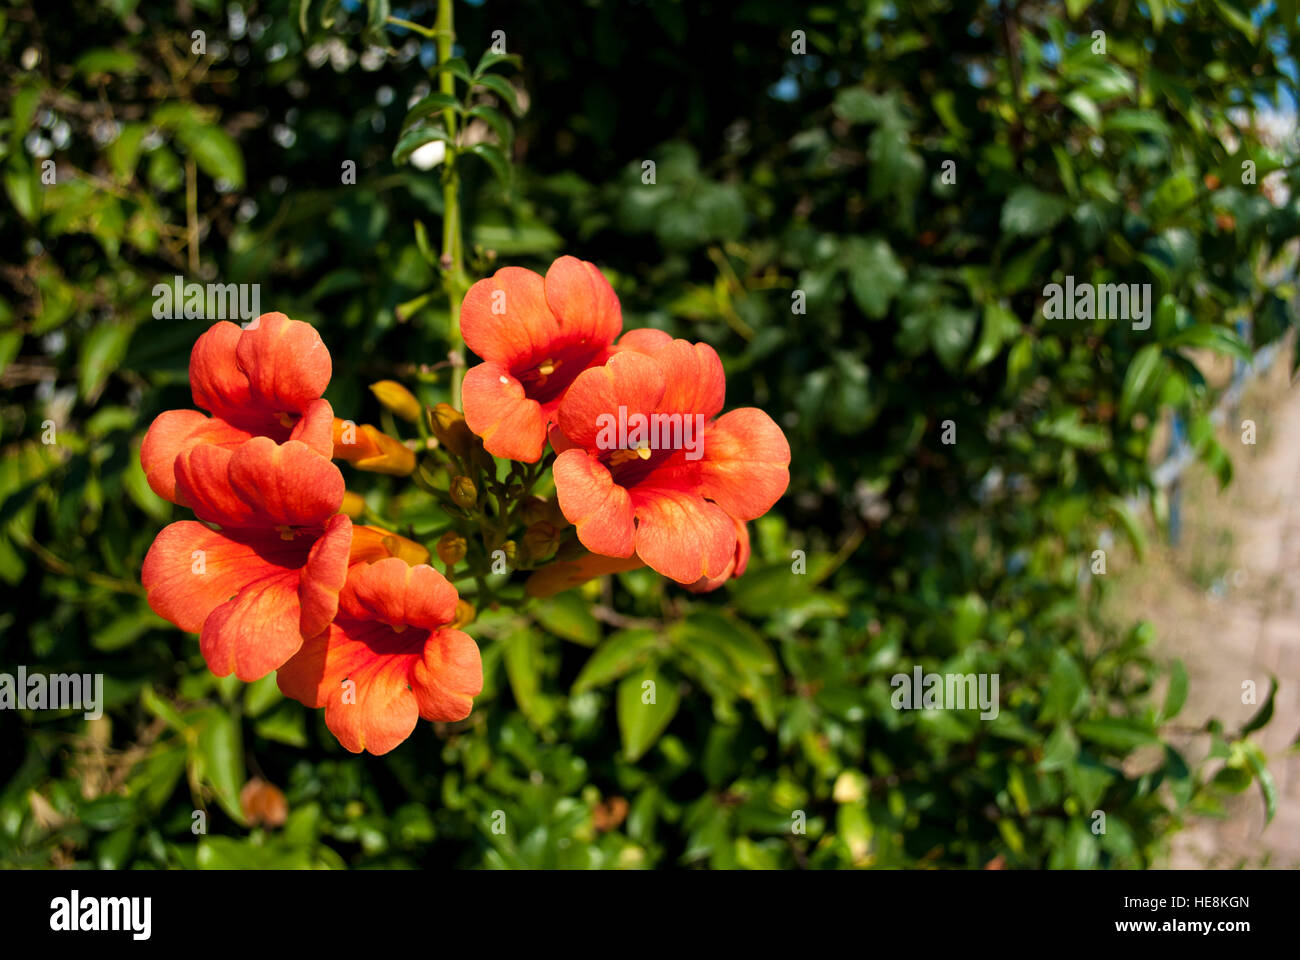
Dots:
{"x": 554, "y": 367}
{"x": 274, "y": 575}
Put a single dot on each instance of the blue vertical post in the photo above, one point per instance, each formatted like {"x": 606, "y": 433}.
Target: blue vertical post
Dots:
{"x": 1177, "y": 442}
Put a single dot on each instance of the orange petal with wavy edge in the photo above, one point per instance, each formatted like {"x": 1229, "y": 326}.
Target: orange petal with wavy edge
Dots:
{"x": 248, "y": 594}
{"x": 172, "y": 433}
{"x": 599, "y": 508}
{"x": 734, "y": 569}
{"x": 259, "y": 483}
{"x": 396, "y": 593}
{"x": 746, "y": 464}
{"x": 505, "y": 316}
{"x": 681, "y": 535}
{"x": 582, "y": 301}
{"x": 631, "y": 380}
{"x": 499, "y": 411}
{"x": 286, "y": 362}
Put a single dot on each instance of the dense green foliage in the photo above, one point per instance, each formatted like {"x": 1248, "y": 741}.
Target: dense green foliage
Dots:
{"x": 780, "y": 177}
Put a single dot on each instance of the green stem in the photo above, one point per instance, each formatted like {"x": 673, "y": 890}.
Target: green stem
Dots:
{"x": 453, "y": 260}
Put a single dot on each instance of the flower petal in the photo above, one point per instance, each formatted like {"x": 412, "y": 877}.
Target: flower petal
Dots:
{"x": 360, "y": 671}
{"x": 683, "y": 536}
{"x": 324, "y": 575}
{"x": 255, "y": 631}
{"x": 449, "y": 677}
{"x": 599, "y": 508}
{"x": 582, "y": 301}
{"x": 190, "y": 569}
{"x": 512, "y": 426}
{"x": 217, "y": 382}
{"x": 746, "y": 464}
{"x": 630, "y": 380}
{"x": 398, "y": 594}
{"x": 694, "y": 378}
{"x": 505, "y": 317}
{"x": 172, "y": 433}
{"x": 286, "y": 362}
{"x": 259, "y": 483}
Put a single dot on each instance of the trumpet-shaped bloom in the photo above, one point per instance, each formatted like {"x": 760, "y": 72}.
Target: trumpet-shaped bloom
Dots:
{"x": 271, "y": 576}
{"x": 675, "y": 499}
{"x": 535, "y": 336}
{"x": 251, "y": 594}
{"x": 263, "y": 381}
{"x": 389, "y": 658}
{"x": 734, "y": 569}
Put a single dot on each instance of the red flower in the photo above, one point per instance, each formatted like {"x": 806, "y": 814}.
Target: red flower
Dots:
{"x": 389, "y": 658}
{"x": 263, "y": 381}
{"x": 672, "y": 497}
{"x": 535, "y": 337}
{"x": 272, "y": 575}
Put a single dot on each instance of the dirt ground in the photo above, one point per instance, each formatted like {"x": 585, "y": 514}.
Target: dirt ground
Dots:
{"x": 1226, "y": 599}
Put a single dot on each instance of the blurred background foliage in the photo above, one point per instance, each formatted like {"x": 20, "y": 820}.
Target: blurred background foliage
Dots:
{"x": 786, "y": 175}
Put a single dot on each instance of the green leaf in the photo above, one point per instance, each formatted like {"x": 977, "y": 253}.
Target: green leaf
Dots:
{"x": 568, "y": 615}
{"x": 124, "y": 152}
{"x": 875, "y": 276}
{"x": 496, "y": 159}
{"x": 495, "y": 119}
{"x": 1267, "y": 787}
{"x": 639, "y": 722}
{"x": 623, "y": 651}
{"x": 417, "y": 137}
{"x": 1140, "y": 380}
{"x": 502, "y": 88}
{"x": 1176, "y": 696}
{"x": 490, "y": 60}
{"x": 1000, "y": 326}
{"x": 1116, "y": 733}
{"x": 215, "y": 151}
{"x": 429, "y": 105}
{"x": 1210, "y": 336}
{"x": 101, "y": 353}
{"x": 524, "y": 660}
{"x": 1265, "y": 713}
{"x": 218, "y": 757}
{"x": 1029, "y": 212}
{"x": 457, "y": 67}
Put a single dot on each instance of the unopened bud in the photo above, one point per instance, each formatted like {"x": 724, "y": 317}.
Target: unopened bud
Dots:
{"x": 463, "y": 493}
{"x": 541, "y": 540}
{"x": 465, "y": 614}
{"x": 449, "y": 426}
{"x": 368, "y": 448}
{"x": 354, "y": 505}
{"x": 451, "y": 548}
{"x": 398, "y": 399}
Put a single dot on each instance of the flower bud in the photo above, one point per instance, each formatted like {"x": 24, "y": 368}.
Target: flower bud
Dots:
{"x": 541, "y": 540}
{"x": 368, "y": 448}
{"x": 449, "y": 426}
{"x": 463, "y": 493}
{"x": 465, "y": 614}
{"x": 451, "y": 548}
{"x": 533, "y": 509}
{"x": 398, "y": 399}
{"x": 354, "y": 505}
